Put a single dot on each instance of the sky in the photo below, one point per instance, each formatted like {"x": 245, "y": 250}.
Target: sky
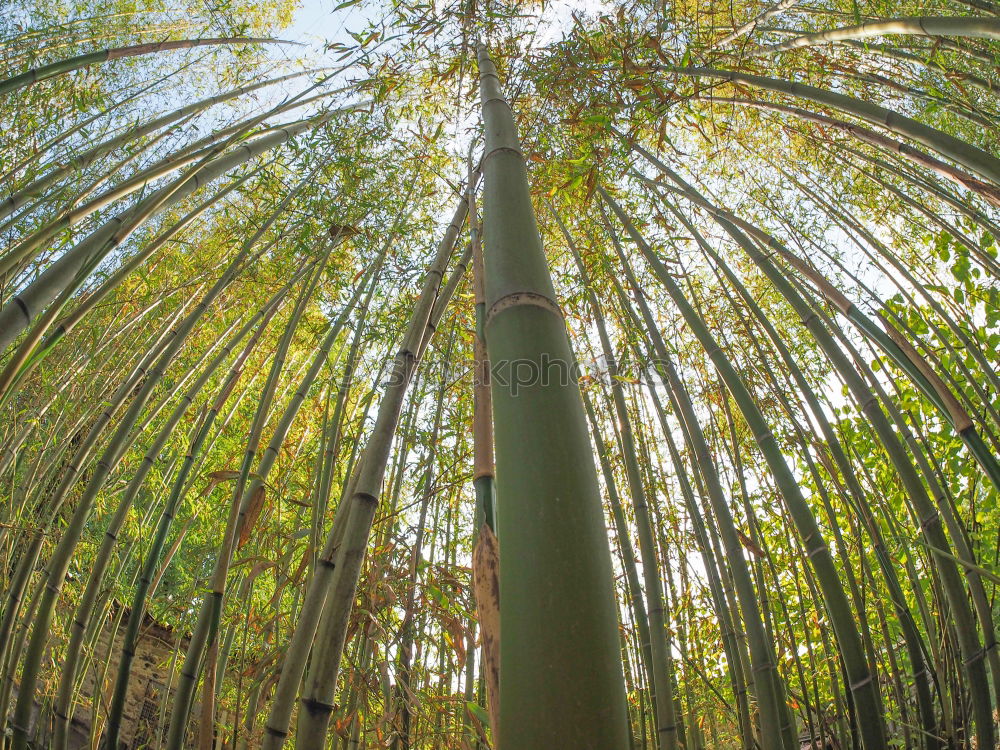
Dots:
{"x": 317, "y": 22}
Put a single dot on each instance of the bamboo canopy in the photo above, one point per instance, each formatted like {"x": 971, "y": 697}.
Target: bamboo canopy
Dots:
{"x": 511, "y": 376}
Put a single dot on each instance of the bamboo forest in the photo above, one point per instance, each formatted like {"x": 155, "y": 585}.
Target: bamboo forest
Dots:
{"x": 499, "y": 374}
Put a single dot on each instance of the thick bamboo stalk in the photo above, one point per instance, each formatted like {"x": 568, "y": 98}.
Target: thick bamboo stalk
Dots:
{"x": 561, "y": 675}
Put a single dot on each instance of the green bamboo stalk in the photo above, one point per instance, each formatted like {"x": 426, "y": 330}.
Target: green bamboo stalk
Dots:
{"x": 364, "y": 489}
{"x": 62, "y": 556}
{"x": 33, "y": 355}
{"x": 485, "y": 562}
{"x": 748, "y": 28}
{"x": 989, "y": 193}
{"x": 928, "y": 26}
{"x": 634, "y": 590}
{"x": 78, "y": 62}
{"x": 200, "y": 153}
{"x": 483, "y": 468}
{"x": 768, "y": 686}
{"x": 70, "y": 473}
{"x": 407, "y": 631}
{"x": 210, "y": 611}
{"x": 666, "y": 729}
{"x": 886, "y": 337}
{"x": 151, "y": 560}
{"x": 973, "y": 158}
{"x": 968, "y": 111}
{"x": 562, "y": 681}
{"x": 23, "y": 307}
{"x": 931, "y": 524}
{"x": 861, "y": 681}
{"x": 37, "y": 187}
{"x": 373, "y": 461}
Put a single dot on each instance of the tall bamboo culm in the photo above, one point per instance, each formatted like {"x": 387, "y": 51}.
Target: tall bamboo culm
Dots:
{"x": 561, "y": 675}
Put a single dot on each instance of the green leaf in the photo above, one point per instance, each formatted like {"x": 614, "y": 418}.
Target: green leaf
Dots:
{"x": 438, "y": 595}
{"x": 478, "y": 711}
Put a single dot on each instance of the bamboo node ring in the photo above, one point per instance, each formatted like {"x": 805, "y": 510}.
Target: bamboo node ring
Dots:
{"x": 516, "y": 299}
{"x": 861, "y": 683}
{"x": 507, "y": 149}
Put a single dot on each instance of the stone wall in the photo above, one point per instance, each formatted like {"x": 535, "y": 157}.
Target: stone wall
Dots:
{"x": 142, "y": 722}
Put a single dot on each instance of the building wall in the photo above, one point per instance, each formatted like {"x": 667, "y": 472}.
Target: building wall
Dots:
{"x": 141, "y": 720}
